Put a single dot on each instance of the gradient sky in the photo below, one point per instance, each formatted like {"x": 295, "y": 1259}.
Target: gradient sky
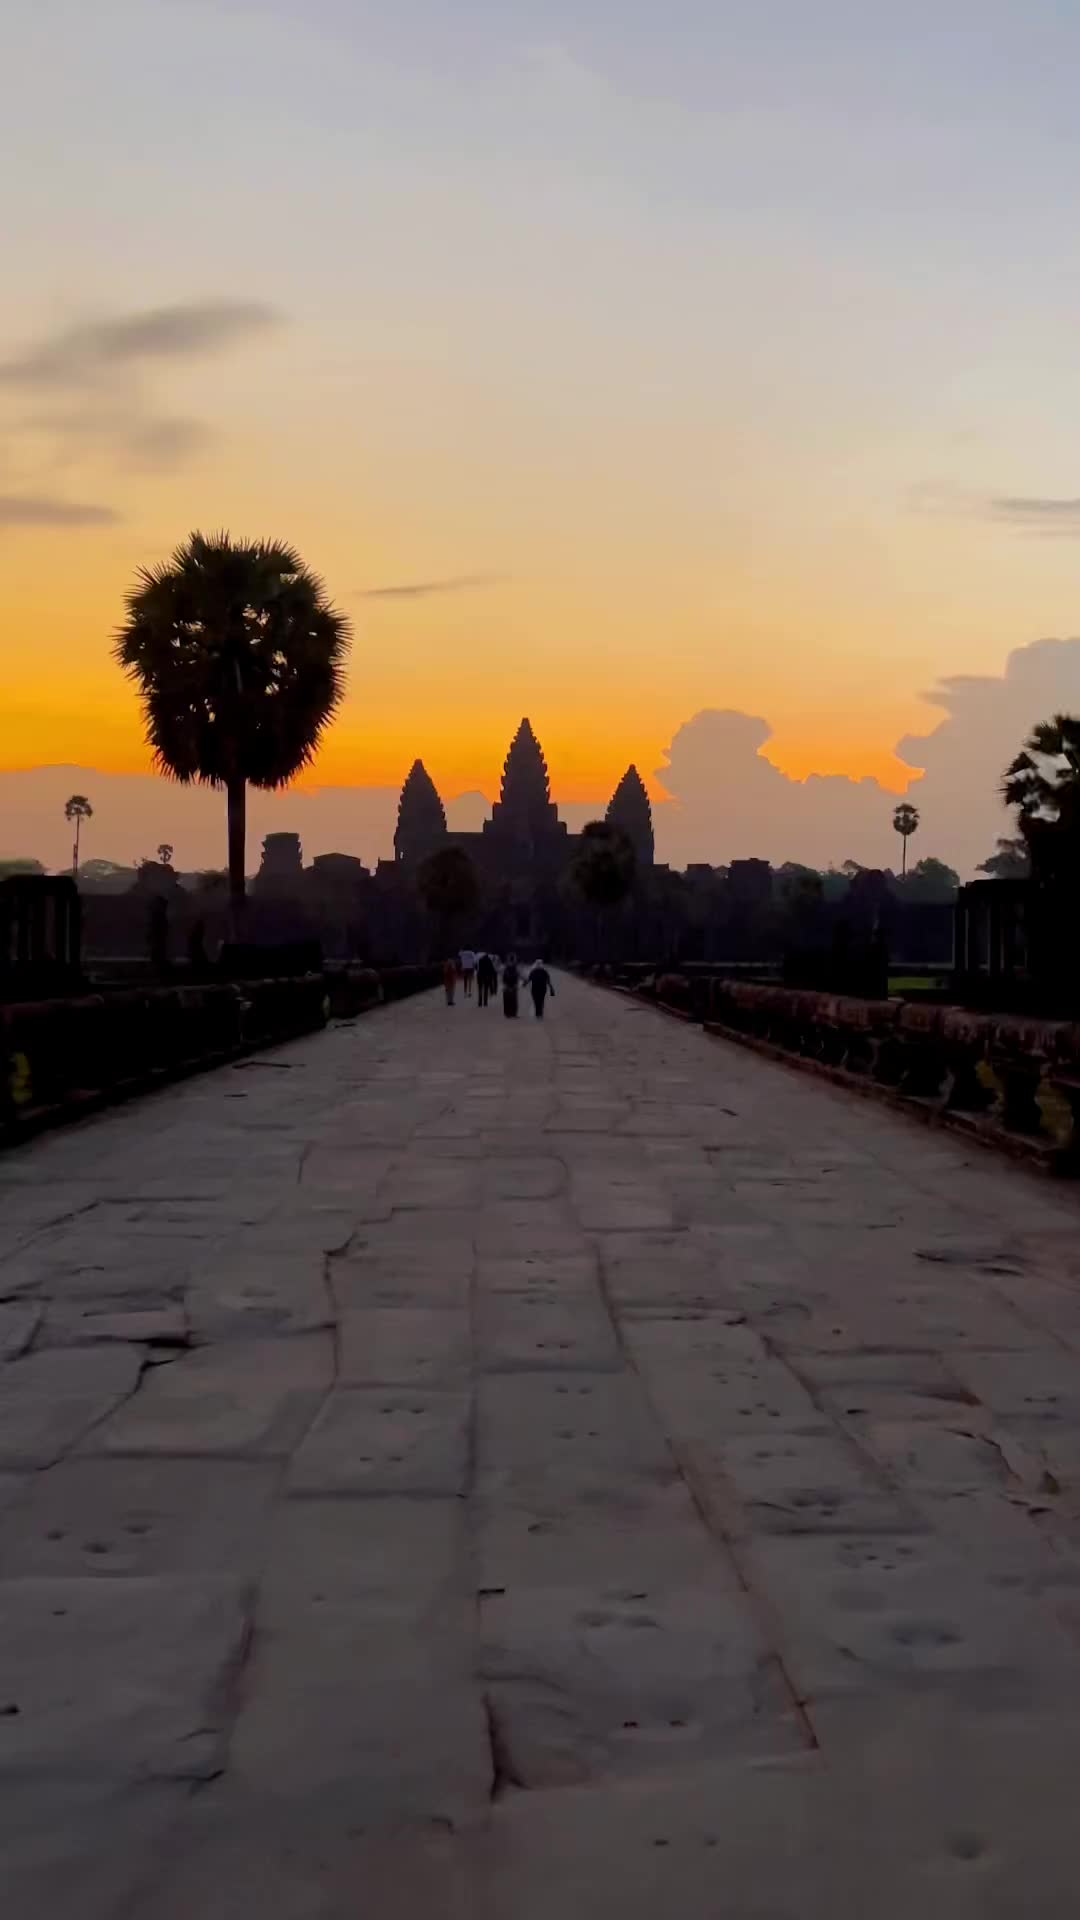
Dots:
{"x": 714, "y": 355}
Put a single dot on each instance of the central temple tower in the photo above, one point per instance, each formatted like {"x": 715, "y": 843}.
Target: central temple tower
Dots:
{"x": 525, "y": 813}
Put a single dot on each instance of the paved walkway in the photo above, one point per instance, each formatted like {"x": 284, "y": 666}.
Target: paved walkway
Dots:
{"x": 556, "y": 1472}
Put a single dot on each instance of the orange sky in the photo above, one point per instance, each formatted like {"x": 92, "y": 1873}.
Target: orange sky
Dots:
{"x": 719, "y": 387}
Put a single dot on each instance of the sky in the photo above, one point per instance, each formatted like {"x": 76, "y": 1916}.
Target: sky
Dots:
{"x": 620, "y": 365}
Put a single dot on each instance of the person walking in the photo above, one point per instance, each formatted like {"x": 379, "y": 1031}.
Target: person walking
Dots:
{"x": 540, "y": 985}
{"x": 468, "y": 970}
{"x": 511, "y": 982}
{"x": 449, "y": 980}
{"x": 486, "y": 978}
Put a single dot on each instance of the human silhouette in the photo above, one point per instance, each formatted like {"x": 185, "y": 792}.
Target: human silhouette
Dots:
{"x": 449, "y": 976}
{"x": 467, "y": 959}
{"x": 487, "y": 979}
{"x": 511, "y": 982}
{"x": 540, "y": 985}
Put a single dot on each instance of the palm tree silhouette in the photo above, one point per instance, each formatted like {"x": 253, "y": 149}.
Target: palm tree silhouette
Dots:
{"x": 239, "y": 658}
{"x": 78, "y": 809}
{"x": 165, "y": 854}
{"x": 906, "y": 821}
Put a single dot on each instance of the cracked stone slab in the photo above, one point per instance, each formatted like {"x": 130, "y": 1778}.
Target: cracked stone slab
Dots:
{"x": 242, "y": 1398}
{"x": 385, "y": 1440}
{"x": 253, "y": 1295}
{"x": 790, "y": 1480}
{"x": 18, "y": 1325}
{"x": 64, "y": 1645}
{"x": 589, "y": 1685}
{"x": 81, "y": 1324}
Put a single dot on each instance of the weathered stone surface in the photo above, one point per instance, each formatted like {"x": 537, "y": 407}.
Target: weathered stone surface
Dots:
{"x": 117, "y": 1679}
{"x": 589, "y": 1684}
{"x": 105, "y": 1517}
{"x": 404, "y": 1346}
{"x": 521, "y": 1332}
{"x": 379, "y": 1440}
{"x": 241, "y": 1398}
{"x": 585, "y": 1402}
{"x": 18, "y": 1325}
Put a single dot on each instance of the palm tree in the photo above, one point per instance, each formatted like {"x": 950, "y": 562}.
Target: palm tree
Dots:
{"x": 1043, "y": 784}
{"x": 165, "y": 854}
{"x": 77, "y": 809}
{"x": 604, "y": 868}
{"x": 906, "y": 821}
{"x": 239, "y": 659}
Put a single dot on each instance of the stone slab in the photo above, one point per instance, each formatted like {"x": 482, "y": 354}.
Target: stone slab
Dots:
{"x": 385, "y": 1440}
{"x": 117, "y": 1679}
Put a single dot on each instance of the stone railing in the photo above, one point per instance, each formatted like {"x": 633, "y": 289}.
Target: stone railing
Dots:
{"x": 1012, "y": 1081}
{"x": 61, "y": 1058}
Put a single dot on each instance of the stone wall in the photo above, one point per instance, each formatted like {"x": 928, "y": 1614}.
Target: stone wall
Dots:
{"x": 1004, "y": 1078}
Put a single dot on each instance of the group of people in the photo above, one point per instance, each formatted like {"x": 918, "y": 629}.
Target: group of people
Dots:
{"x": 484, "y": 970}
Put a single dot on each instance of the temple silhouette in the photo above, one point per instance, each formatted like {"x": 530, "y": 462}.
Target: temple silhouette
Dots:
{"x": 523, "y": 850}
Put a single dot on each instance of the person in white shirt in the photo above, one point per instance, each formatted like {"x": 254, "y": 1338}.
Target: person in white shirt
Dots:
{"x": 467, "y": 959}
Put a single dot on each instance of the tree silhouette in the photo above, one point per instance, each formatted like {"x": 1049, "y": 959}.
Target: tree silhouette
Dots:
{"x": 906, "y": 821}
{"x": 165, "y": 854}
{"x": 603, "y": 870}
{"x": 1043, "y": 784}
{"x": 239, "y": 659}
{"x": 448, "y": 885}
{"x": 78, "y": 809}
{"x": 1009, "y": 861}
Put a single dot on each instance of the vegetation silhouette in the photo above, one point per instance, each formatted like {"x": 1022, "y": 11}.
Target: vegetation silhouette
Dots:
{"x": 77, "y": 809}
{"x": 1009, "y": 861}
{"x": 239, "y": 658}
{"x": 906, "y": 821}
{"x": 604, "y": 868}
{"x": 1043, "y": 784}
{"x": 449, "y": 886}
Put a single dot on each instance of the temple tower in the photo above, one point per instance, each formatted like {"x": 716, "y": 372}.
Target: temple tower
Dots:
{"x": 525, "y": 810}
{"x": 421, "y": 821}
{"x": 629, "y": 809}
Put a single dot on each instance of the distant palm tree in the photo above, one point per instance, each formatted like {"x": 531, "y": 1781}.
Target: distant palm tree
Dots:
{"x": 239, "y": 658}
{"x": 165, "y": 854}
{"x": 77, "y": 809}
{"x": 906, "y": 821}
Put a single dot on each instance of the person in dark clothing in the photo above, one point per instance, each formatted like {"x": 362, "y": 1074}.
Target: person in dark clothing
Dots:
{"x": 486, "y": 979}
{"x": 540, "y": 985}
{"x": 511, "y": 982}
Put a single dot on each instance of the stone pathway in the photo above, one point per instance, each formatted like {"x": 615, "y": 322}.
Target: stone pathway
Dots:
{"x": 556, "y": 1472}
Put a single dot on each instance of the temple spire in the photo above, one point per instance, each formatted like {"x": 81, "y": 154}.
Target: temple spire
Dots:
{"x": 421, "y": 821}
{"x": 524, "y": 806}
{"x": 629, "y": 809}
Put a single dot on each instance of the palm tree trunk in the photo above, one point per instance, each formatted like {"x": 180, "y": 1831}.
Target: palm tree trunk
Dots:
{"x": 236, "y": 794}
{"x": 903, "y": 857}
{"x": 75, "y": 851}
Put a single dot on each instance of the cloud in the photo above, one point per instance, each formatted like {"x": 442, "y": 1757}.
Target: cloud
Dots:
{"x": 1056, "y": 516}
{"x": 1033, "y": 515}
{"x": 728, "y": 802}
{"x": 29, "y": 510}
{"x": 83, "y": 354}
{"x": 422, "y": 589}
